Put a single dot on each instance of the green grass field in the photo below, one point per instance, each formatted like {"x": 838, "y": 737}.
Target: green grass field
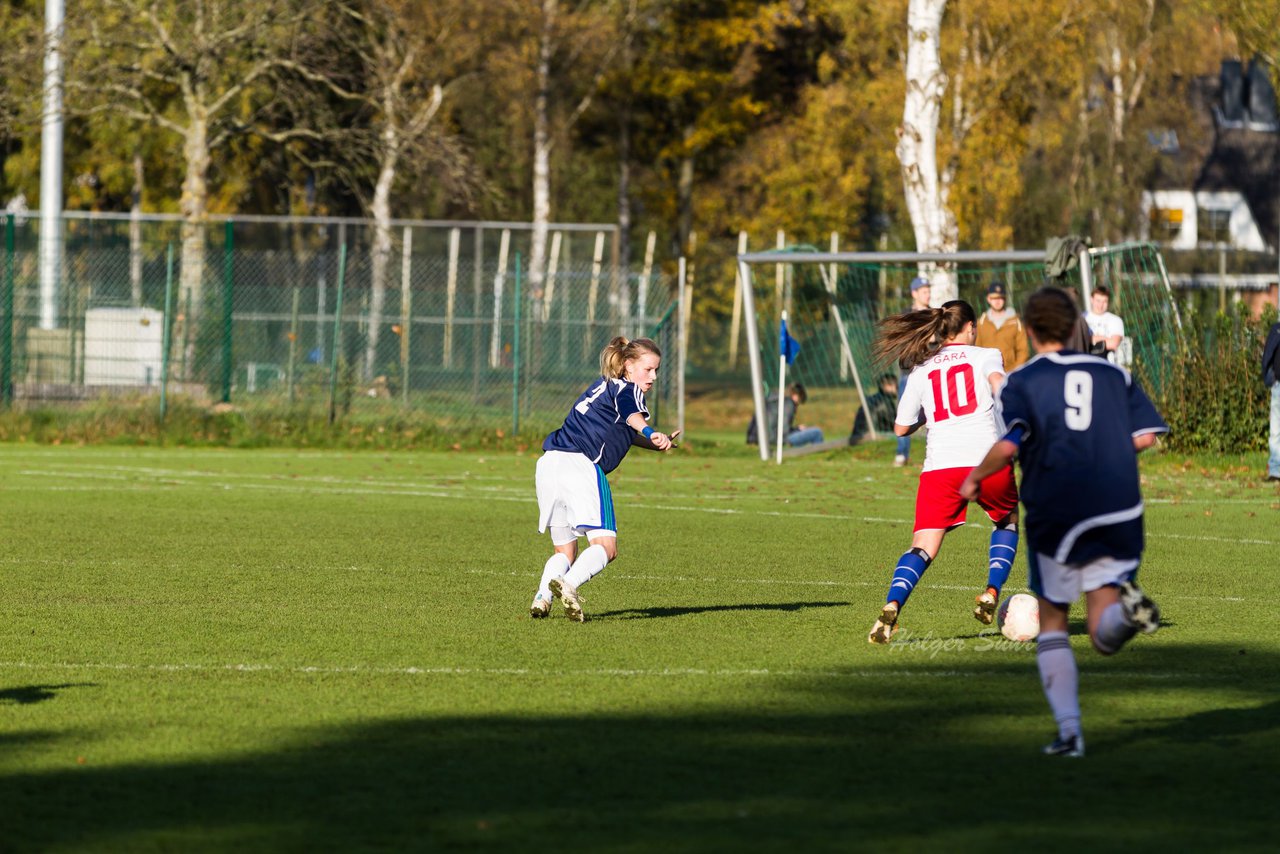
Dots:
{"x": 298, "y": 651}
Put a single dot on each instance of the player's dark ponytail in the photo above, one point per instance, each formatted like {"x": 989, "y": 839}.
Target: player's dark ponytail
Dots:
{"x": 619, "y": 351}
{"x": 913, "y": 336}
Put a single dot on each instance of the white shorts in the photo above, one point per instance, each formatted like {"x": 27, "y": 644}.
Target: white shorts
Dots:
{"x": 1064, "y": 583}
{"x": 573, "y": 498}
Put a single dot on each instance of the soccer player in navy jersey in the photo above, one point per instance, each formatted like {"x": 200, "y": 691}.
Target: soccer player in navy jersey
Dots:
{"x": 1075, "y": 422}
{"x": 573, "y": 491}
{"x": 950, "y": 389}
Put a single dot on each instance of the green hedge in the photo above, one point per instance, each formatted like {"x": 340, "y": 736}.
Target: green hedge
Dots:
{"x": 1213, "y": 398}
{"x": 137, "y": 422}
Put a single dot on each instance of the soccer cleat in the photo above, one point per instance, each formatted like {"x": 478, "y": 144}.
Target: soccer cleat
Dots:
{"x": 1072, "y": 745}
{"x": 885, "y": 626}
{"x": 541, "y": 606}
{"x": 985, "y": 613}
{"x": 569, "y": 596}
{"x": 1139, "y": 609}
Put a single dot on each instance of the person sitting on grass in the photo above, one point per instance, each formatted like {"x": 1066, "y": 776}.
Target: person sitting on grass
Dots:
{"x": 882, "y": 405}
{"x": 792, "y": 434}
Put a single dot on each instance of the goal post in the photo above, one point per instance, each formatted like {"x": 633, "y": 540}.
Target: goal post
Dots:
{"x": 834, "y": 300}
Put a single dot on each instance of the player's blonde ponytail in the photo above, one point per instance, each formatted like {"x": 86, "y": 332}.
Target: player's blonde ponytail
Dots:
{"x": 619, "y": 351}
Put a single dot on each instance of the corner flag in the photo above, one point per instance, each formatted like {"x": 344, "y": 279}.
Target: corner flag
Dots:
{"x": 788, "y": 347}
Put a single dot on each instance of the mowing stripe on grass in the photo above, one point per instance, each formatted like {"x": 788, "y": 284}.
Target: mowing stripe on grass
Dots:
{"x": 607, "y": 672}
{"x": 790, "y": 582}
{"x": 453, "y": 493}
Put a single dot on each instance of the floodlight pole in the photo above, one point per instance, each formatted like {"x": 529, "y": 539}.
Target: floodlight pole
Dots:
{"x": 753, "y": 355}
{"x": 51, "y": 167}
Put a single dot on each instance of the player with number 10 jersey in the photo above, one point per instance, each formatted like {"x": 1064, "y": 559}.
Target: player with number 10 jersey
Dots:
{"x": 951, "y": 391}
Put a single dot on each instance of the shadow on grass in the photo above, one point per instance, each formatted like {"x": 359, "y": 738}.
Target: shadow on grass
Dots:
{"x": 908, "y": 758}
{"x": 1076, "y": 626}
{"x": 647, "y": 613}
{"x": 28, "y": 694}
{"x": 1222, "y": 727}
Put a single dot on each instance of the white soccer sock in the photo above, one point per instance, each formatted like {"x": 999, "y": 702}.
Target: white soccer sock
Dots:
{"x": 1060, "y": 680}
{"x": 557, "y": 564}
{"x": 1114, "y": 631}
{"x": 589, "y": 563}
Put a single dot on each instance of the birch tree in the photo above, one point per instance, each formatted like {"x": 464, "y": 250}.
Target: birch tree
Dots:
{"x": 563, "y": 42}
{"x": 932, "y": 220}
{"x": 193, "y": 68}
{"x": 389, "y": 64}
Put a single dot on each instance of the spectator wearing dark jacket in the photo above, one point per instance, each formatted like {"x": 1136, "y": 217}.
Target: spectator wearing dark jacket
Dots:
{"x": 883, "y": 406}
{"x": 1271, "y": 379}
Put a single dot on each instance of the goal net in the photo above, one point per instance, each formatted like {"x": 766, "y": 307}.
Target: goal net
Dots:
{"x": 833, "y": 301}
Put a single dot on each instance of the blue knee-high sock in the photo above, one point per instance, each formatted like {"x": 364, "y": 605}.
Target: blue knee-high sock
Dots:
{"x": 906, "y": 575}
{"x": 1004, "y": 548}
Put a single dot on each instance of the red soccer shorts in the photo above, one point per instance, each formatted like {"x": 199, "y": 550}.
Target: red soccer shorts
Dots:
{"x": 939, "y": 505}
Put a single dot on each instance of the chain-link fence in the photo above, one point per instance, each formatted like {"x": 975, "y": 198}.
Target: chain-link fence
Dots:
{"x": 309, "y": 313}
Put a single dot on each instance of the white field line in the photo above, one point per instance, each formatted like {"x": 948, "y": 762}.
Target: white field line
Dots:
{"x": 489, "y": 493}
{"x": 606, "y": 672}
{"x": 443, "y": 481}
{"x": 830, "y": 584}
{"x": 15, "y": 560}
{"x": 170, "y": 476}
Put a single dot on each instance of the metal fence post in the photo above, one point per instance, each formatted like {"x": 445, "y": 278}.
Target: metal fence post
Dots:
{"x": 337, "y": 335}
{"x": 228, "y": 304}
{"x": 515, "y": 359}
{"x": 6, "y": 335}
{"x": 168, "y": 333}
{"x": 293, "y": 343}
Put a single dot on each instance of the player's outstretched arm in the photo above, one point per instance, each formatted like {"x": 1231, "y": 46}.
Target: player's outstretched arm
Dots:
{"x": 646, "y": 437}
{"x": 1000, "y": 455}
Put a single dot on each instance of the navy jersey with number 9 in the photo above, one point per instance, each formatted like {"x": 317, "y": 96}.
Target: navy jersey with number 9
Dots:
{"x": 597, "y": 424}
{"x": 1079, "y": 415}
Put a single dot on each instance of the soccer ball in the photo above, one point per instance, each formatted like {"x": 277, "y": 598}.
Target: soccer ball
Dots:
{"x": 1019, "y": 617}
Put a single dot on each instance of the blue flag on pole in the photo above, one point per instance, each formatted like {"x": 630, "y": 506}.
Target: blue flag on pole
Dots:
{"x": 787, "y": 346}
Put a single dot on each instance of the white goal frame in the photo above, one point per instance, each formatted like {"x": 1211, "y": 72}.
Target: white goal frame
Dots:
{"x": 926, "y": 261}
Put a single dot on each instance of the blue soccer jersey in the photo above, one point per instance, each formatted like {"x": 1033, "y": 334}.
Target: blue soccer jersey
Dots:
{"x": 597, "y": 424}
{"x": 1078, "y": 416}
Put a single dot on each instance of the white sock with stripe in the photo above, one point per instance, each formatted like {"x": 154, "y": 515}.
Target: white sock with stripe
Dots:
{"x": 1060, "y": 680}
{"x": 557, "y": 564}
{"x": 587, "y": 566}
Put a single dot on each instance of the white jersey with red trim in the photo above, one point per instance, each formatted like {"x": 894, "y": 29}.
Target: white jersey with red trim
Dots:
{"x": 952, "y": 390}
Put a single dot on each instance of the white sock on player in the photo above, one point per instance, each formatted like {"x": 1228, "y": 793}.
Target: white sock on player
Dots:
{"x": 1113, "y": 630}
{"x": 557, "y": 564}
{"x": 1060, "y": 680}
{"x": 589, "y": 563}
